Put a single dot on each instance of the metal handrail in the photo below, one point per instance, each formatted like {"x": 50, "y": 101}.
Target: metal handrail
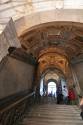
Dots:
{"x": 16, "y": 103}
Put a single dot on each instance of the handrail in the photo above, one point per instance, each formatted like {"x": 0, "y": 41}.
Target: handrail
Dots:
{"x": 16, "y": 103}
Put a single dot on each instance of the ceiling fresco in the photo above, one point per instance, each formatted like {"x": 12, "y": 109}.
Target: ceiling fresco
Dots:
{"x": 53, "y": 60}
{"x": 65, "y": 39}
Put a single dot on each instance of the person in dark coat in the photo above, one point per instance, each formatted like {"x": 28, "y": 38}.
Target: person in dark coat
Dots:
{"x": 59, "y": 94}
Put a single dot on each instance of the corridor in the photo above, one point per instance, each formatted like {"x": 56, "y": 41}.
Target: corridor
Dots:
{"x": 41, "y": 62}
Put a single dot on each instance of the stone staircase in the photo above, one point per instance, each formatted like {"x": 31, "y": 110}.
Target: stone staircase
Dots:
{"x": 52, "y": 114}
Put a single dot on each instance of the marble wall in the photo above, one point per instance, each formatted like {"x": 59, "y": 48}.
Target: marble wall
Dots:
{"x": 8, "y": 38}
{"x": 15, "y": 76}
{"x": 78, "y": 68}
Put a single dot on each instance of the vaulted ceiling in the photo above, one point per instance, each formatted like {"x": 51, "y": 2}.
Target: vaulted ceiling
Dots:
{"x": 54, "y": 45}
{"x": 66, "y": 39}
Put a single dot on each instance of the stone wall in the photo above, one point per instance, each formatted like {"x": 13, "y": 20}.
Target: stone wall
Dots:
{"x": 15, "y": 76}
{"x": 8, "y": 38}
{"x": 79, "y": 72}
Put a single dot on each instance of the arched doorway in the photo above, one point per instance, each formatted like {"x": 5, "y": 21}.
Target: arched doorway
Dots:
{"x": 52, "y": 88}
{"x": 50, "y": 84}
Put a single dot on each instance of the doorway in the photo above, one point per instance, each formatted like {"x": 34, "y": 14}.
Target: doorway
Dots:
{"x": 52, "y": 88}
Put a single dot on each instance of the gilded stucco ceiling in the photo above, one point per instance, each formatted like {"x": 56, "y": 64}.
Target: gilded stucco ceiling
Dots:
{"x": 53, "y": 60}
{"x": 54, "y": 44}
{"x": 67, "y": 40}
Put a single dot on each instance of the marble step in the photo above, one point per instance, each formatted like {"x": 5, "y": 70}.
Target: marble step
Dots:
{"x": 51, "y": 114}
{"x": 51, "y": 121}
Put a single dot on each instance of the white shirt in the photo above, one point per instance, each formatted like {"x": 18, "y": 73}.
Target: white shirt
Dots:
{"x": 65, "y": 92}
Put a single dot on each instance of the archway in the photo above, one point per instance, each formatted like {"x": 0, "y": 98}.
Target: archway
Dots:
{"x": 46, "y": 78}
{"x": 52, "y": 80}
{"x": 52, "y": 88}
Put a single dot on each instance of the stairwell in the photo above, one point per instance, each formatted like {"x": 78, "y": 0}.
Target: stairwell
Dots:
{"x": 53, "y": 114}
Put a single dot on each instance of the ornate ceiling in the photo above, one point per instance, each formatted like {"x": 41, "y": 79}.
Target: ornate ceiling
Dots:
{"x": 66, "y": 40}
{"x": 53, "y": 60}
{"x": 54, "y": 45}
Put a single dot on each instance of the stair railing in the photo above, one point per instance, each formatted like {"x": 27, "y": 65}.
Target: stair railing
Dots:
{"x": 12, "y": 112}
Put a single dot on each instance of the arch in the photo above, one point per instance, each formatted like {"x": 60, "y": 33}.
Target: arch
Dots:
{"x": 52, "y": 88}
{"x": 62, "y": 16}
{"x": 54, "y": 69}
{"x": 53, "y": 80}
{"x": 53, "y": 49}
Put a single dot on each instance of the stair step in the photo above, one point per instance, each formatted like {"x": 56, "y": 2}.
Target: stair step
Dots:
{"x": 49, "y": 121}
{"x": 55, "y": 116}
{"x": 52, "y": 114}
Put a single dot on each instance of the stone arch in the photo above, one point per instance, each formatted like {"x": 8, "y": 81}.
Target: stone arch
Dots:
{"x": 53, "y": 69}
{"x": 64, "y": 16}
